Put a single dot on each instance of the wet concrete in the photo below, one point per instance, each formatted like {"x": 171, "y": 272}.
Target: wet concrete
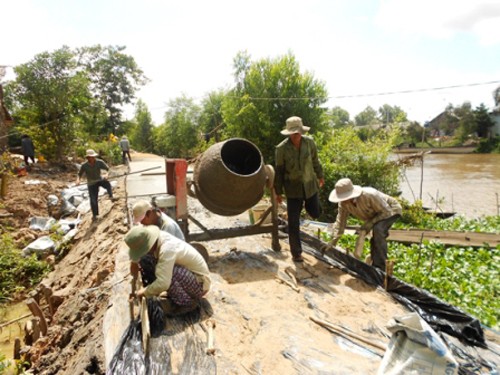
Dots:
{"x": 138, "y": 186}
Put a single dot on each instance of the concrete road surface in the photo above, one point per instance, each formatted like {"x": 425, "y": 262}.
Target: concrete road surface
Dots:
{"x": 148, "y": 183}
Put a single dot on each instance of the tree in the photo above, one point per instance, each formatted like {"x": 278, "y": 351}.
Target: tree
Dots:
{"x": 366, "y": 117}
{"x": 483, "y": 121}
{"x": 65, "y": 93}
{"x": 114, "y": 78}
{"x": 338, "y": 117}
{"x": 211, "y": 119}
{"x": 390, "y": 115}
{"x": 414, "y": 133}
{"x": 179, "y": 136}
{"x": 142, "y": 138}
{"x": 467, "y": 125}
{"x": 50, "y": 95}
{"x": 496, "y": 97}
{"x": 267, "y": 92}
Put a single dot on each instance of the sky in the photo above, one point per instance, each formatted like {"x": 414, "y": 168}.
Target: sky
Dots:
{"x": 359, "y": 49}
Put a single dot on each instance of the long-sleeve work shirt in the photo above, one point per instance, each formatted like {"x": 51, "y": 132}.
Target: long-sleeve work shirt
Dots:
{"x": 371, "y": 206}
{"x": 297, "y": 170}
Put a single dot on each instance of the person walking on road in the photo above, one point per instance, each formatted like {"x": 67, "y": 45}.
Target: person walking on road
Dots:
{"x": 169, "y": 265}
{"x": 92, "y": 171}
{"x": 125, "y": 146}
{"x": 144, "y": 213}
{"x": 300, "y": 176}
{"x": 378, "y": 211}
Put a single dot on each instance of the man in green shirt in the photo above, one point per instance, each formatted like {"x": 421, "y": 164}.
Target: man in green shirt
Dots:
{"x": 92, "y": 170}
{"x": 300, "y": 176}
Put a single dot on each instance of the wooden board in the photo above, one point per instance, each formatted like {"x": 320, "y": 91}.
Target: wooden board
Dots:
{"x": 446, "y": 237}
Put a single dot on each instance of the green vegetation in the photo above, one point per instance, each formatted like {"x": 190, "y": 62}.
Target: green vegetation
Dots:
{"x": 18, "y": 273}
{"x": 366, "y": 163}
{"x": 462, "y": 276}
{"x": 61, "y": 96}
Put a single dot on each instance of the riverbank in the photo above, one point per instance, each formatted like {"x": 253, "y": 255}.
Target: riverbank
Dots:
{"x": 436, "y": 150}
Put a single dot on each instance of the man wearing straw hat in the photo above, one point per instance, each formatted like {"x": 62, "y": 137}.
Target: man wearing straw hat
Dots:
{"x": 299, "y": 175}
{"x": 169, "y": 265}
{"x": 92, "y": 170}
{"x": 378, "y": 211}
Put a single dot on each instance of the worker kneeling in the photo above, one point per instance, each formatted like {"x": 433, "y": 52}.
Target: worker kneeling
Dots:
{"x": 169, "y": 265}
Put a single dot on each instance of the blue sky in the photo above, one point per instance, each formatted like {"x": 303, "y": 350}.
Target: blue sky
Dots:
{"x": 356, "y": 47}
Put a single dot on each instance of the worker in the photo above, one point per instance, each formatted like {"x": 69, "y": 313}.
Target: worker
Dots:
{"x": 28, "y": 150}
{"x": 169, "y": 265}
{"x": 300, "y": 176}
{"x": 125, "y": 146}
{"x": 378, "y": 211}
{"x": 92, "y": 170}
{"x": 144, "y": 213}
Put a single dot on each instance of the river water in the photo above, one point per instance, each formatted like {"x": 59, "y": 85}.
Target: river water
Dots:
{"x": 468, "y": 184}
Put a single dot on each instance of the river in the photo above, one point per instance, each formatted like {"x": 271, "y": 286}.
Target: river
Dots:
{"x": 468, "y": 184}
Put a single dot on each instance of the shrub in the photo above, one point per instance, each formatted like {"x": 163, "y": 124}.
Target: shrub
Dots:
{"x": 366, "y": 163}
{"x": 18, "y": 273}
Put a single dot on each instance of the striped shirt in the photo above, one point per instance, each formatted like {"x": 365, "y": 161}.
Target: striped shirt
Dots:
{"x": 371, "y": 206}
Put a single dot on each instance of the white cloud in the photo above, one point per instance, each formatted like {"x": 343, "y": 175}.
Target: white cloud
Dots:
{"x": 441, "y": 18}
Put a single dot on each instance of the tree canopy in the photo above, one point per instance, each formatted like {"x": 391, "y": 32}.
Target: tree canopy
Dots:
{"x": 60, "y": 94}
{"x": 267, "y": 92}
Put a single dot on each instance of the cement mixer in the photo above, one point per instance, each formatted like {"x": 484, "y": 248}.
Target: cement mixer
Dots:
{"x": 228, "y": 178}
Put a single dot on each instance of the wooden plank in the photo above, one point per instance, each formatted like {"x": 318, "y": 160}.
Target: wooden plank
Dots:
{"x": 473, "y": 239}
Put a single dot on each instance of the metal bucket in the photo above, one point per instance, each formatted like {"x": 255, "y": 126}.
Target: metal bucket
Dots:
{"x": 229, "y": 177}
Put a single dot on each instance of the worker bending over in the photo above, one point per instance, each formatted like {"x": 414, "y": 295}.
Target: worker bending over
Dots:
{"x": 168, "y": 265}
{"x": 378, "y": 211}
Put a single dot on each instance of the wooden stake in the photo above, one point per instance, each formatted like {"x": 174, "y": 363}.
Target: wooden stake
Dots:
{"x": 289, "y": 283}
{"x": 210, "y": 337}
{"x": 36, "y": 311}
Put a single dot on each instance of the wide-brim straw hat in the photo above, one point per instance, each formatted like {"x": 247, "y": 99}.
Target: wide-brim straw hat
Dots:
{"x": 344, "y": 190}
{"x": 294, "y": 125}
{"x": 140, "y": 239}
{"x": 91, "y": 154}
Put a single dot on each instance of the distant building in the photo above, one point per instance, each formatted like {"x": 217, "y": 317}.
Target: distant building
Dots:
{"x": 5, "y": 122}
{"x": 443, "y": 124}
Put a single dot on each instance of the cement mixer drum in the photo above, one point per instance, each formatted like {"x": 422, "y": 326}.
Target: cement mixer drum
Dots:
{"x": 229, "y": 177}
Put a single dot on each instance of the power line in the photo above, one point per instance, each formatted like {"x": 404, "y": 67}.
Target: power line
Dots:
{"x": 416, "y": 90}
{"x": 373, "y": 94}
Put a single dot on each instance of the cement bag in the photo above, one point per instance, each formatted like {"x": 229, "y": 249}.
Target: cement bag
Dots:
{"x": 415, "y": 348}
{"x": 42, "y": 247}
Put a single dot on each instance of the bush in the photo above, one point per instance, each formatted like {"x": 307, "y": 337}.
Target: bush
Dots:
{"x": 17, "y": 273}
{"x": 487, "y": 146}
{"x": 108, "y": 150}
{"x": 366, "y": 163}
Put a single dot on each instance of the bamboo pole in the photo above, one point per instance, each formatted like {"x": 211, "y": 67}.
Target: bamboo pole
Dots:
{"x": 14, "y": 320}
{"x": 343, "y": 332}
